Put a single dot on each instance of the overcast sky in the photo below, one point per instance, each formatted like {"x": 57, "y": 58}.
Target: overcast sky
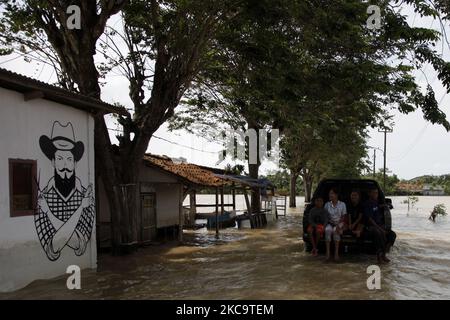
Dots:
{"x": 414, "y": 148}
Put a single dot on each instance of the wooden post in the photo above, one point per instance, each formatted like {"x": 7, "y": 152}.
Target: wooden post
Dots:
{"x": 222, "y": 201}
{"x": 276, "y": 206}
{"x": 192, "y": 207}
{"x": 116, "y": 227}
{"x": 222, "y": 209}
{"x": 259, "y": 206}
{"x": 126, "y": 220}
{"x": 249, "y": 207}
{"x": 233, "y": 192}
{"x": 247, "y": 201}
{"x": 217, "y": 212}
{"x": 181, "y": 215}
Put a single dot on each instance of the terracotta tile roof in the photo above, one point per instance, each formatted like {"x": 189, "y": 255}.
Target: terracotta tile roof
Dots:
{"x": 192, "y": 173}
{"x": 20, "y": 83}
{"x": 409, "y": 186}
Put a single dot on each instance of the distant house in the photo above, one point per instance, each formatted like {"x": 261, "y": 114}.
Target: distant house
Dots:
{"x": 409, "y": 188}
{"x": 48, "y": 180}
{"x": 430, "y": 190}
{"x": 163, "y": 185}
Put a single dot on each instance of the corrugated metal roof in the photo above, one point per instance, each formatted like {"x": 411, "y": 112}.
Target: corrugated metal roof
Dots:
{"x": 190, "y": 172}
{"x": 20, "y": 83}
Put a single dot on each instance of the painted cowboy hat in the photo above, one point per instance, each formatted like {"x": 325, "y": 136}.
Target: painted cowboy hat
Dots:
{"x": 62, "y": 138}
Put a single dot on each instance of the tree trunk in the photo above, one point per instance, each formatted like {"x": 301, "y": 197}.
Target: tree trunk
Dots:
{"x": 253, "y": 168}
{"x": 293, "y": 190}
{"x": 108, "y": 173}
{"x": 308, "y": 191}
{"x": 192, "y": 208}
{"x": 307, "y": 181}
{"x": 128, "y": 184}
{"x": 256, "y": 193}
{"x": 119, "y": 175}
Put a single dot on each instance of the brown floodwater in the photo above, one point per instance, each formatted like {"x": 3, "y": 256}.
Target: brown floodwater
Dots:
{"x": 269, "y": 264}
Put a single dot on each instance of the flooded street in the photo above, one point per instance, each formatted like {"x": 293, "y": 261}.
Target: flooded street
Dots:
{"x": 269, "y": 264}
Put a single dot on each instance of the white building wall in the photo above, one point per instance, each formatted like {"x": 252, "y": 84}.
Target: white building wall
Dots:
{"x": 22, "y": 123}
{"x": 167, "y": 205}
{"x": 167, "y": 190}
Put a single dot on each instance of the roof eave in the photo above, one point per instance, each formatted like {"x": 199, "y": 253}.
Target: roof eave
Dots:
{"x": 33, "y": 89}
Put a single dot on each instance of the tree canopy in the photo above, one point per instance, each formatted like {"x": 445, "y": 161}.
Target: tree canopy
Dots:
{"x": 315, "y": 71}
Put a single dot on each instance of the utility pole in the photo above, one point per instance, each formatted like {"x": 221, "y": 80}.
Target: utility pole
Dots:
{"x": 374, "y": 161}
{"x": 374, "y": 170}
{"x": 385, "y": 130}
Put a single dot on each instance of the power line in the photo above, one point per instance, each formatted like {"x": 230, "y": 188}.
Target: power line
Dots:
{"x": 12, "y": 59}
{"x": 413, "y": 144}
{"x": 184, "y": 146}
{"x": 173, "y": 142}
{"x": 419, "y": 136}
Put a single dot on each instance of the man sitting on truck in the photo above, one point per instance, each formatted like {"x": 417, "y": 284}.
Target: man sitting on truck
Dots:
{"x": 318, "y": 219}
{"x": 374, "y": 221}
{"x": 355, "y": 214}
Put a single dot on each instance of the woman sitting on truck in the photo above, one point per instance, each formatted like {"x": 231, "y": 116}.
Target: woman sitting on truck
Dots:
{"x": 336, "y": 212}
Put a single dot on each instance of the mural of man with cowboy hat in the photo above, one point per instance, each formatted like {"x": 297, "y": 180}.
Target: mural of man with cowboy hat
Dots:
{"x": 66, "y": 210}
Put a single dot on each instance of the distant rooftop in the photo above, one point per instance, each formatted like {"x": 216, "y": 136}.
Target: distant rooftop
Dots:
{"x": 189, "y": 172}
